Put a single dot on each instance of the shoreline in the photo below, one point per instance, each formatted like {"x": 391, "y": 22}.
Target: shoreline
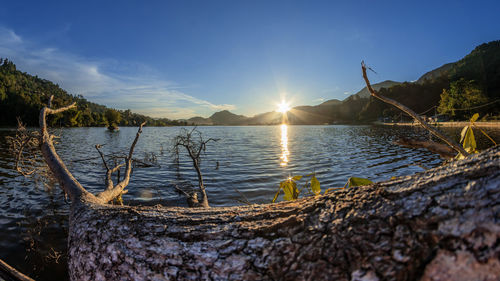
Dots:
{"x": 462, "y": 124}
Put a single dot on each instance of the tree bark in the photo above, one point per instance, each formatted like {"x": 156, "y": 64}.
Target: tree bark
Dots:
{"x": 442, "y": 224}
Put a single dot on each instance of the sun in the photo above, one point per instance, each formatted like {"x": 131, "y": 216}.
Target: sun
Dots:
{"x": 283, "y": 107}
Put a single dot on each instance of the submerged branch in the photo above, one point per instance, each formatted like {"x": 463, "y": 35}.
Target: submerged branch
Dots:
{"x": 443, "y": 150}
{"x": 194, "y": 149}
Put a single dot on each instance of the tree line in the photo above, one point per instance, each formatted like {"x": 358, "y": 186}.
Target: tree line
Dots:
{"x": 23, "y": 95}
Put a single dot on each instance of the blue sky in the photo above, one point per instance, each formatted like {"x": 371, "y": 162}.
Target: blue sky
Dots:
{"x": 179, "y": 59}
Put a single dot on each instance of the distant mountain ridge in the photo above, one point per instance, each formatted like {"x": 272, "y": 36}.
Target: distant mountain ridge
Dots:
{"x": 436, "y": 73}
{"x": 22, "y": 95}
{"x": 481, "y": 65}
{"x": 318, "y": 114}
{"x": 364, "y": 93}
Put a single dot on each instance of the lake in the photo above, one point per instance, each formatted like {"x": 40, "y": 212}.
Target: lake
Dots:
{"x": 252, "y": 160}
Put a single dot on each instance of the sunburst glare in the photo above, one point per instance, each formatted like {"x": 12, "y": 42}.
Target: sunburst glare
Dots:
{"x": 283, "y": 107}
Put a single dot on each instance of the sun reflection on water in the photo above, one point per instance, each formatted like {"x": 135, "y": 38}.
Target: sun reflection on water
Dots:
{"x": 284, "y": 145}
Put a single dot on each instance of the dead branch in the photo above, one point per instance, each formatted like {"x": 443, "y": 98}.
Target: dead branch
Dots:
{"x": 66, "y": 180}
{"x": 115, "y": 191}
{"x": 243, "y": 198}
{"x": 415, "y": 116}
{"x": 443, "y": 150}
{"x": 194, "y": 146}
{"x": 109, "y": 172}
{"x": 25, "y": 149}
{"x": 7, "y": 272}
{"x": 192, "y": 197}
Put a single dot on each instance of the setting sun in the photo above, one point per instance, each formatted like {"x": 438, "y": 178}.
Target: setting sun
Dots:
{"x": 283, "y": 107}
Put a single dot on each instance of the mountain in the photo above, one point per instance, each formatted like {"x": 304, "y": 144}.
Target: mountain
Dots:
{"x": 364, "y": 93}
{"x": 23, "y": 95}
{"x": 481, "y": 67}
{"x": 227, "y": 118}
{"x": 332, "y": 111}
{"x": 335, "y": 111}
{"x": 200, "y": 121}
{"x": 268, "y": 118}
{"x": 421, "y": 98}
{"x": 219, "y": 118}
{"x": 436, "y": 73}
{"x": 330, "y": 102}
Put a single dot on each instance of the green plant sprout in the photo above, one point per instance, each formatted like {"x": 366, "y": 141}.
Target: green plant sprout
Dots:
{"x": 291, "y": 192}
{"x": 467, "y": 139}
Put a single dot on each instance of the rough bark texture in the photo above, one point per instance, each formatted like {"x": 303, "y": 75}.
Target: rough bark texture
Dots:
{"x": 442, "y": 224}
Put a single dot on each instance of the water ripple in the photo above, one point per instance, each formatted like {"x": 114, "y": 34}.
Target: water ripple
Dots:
{"x": 248, "y": 159}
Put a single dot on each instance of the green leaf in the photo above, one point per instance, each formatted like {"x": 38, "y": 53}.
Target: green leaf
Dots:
{"x": 290, "y": 189}
{"x": 296, "y": 178}
{"x": 315, "y": 186}
{"x": 469, "y": 142}
{"x": 462, "y": 134}
{"x": 353, "y": 182}
{"x": 474, "y": 117}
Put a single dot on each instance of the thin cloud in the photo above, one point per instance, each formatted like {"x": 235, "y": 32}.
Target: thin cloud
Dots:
{"x": 91, "y": 79}
{"x": 9, "y": 36}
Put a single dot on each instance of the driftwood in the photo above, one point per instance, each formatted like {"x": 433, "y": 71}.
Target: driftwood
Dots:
{"x": 441, "y": 224}
{"x": 443, "y": 150}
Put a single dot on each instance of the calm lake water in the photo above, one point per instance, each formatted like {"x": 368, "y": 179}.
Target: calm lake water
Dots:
{"x": 252, "y": 160}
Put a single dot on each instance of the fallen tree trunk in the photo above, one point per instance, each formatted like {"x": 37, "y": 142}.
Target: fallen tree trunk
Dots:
{"x": 442, "y": 224}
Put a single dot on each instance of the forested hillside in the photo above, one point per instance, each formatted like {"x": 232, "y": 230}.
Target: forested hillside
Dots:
{"x": 455, "y": 89}
{"x": 23, "y": 95}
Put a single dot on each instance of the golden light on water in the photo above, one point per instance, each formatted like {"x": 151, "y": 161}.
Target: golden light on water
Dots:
{"x": 284, "y": 145}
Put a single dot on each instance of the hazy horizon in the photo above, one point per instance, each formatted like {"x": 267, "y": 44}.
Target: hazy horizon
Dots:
{"x": 180, "y": 60}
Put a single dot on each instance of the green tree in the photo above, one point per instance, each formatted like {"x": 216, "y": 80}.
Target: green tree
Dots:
{"x": 113, "y": 117}
{"x": 462, "y": 95}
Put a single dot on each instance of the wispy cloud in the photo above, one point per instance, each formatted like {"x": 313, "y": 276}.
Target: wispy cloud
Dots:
{"x": 9, "y": 36}
{"x": 93, "y": 80}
